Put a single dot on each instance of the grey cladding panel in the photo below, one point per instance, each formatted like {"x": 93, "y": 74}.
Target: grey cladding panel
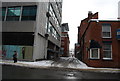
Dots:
{"x": 16, "y": 26}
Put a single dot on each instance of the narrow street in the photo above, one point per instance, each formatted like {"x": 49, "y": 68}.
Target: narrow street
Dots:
{"x": 17, "y": 72}
{"x": 59, "y": 39}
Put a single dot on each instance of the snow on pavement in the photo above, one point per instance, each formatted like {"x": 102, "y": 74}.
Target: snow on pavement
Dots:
{"x": 39, "y": 63}
{"x": 45, "y": 63}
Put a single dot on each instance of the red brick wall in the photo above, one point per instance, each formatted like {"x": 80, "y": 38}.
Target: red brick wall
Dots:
{"x": 84, "y": 25}
{"x": 65, "y": 44}
{"x": 94, "y": 32}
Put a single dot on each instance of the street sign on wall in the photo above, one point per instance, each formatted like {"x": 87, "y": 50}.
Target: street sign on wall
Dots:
{"x": 118, "y": 34}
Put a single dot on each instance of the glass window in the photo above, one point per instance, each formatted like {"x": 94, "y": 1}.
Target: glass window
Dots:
{"x": 107, "y": 51}
{"x": 53, "y": 33}
{"x": 29, "y": 13}
{"x": 13, "y": 13}
{"x": 64, "y": 34}
{"x": 50, "y": 27}
{"x": 106, "y": 31}
{"x": 62, "y": 50}
{"x": 58, "y": 36}
{"x": 54, "y": 16}
{"x": 51, "y": 30}
{"x": 94, "y": 53}
{"x": 3, "y": 13}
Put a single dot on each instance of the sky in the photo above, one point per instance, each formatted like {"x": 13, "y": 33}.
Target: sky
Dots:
{"x": 73, "y": 11}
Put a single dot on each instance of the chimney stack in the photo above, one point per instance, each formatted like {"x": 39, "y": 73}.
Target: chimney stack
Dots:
{"x": 90, "y": 14}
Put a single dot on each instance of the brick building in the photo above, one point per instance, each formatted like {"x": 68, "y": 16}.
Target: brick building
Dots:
{"x": 99, "y": 42}
{"x": 65, "y": 40}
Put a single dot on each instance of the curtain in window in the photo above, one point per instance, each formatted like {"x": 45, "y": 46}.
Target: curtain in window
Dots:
{"x": 107, "y": 50}
{"x": 106, "y": 30}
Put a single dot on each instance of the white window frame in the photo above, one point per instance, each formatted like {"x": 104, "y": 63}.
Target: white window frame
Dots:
{"x": 5, "y": 13}
{"x": 111, "y": 54}
{"x": 110, "y": 32}
{"x": 98, "y": 53}
{"x": 21, "y": 13}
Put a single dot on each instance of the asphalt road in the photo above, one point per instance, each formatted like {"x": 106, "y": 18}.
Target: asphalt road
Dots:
{"x": 17, "y": 72}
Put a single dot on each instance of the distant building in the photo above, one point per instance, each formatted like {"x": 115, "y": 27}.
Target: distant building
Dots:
{"x": 99, "y": 41}
{"x": 65, "y": 40}
{"x": 71, "y": 52}
{"x": 32, "y": 29}
{"x": 77, "y": 46}
{"x": 77, "y": 51}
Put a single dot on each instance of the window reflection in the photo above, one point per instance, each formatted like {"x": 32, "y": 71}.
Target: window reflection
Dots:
{"x": 19, "y": 13}
{"x": 13, "y": 13}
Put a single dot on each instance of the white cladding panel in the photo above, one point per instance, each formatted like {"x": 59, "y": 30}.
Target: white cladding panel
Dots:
{"x": 119, "y": 9}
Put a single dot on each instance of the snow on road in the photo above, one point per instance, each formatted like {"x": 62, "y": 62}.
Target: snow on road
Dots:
{"x": 69, "y": 62}
{"x": 64, "y": 62}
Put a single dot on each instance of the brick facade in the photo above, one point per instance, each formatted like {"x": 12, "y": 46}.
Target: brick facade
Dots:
{"x": 65, "y": 40}
{"x": 90, "y": 37}
{"x": 65, "y": 44}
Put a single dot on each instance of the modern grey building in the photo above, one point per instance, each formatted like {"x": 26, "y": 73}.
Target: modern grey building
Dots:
{"x": 32, "y": 29}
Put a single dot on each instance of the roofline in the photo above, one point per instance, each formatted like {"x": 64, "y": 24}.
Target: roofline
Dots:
{"x": 98, "y": 20}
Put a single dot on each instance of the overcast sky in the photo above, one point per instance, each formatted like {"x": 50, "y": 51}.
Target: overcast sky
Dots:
{"x": 76, "y": 10}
